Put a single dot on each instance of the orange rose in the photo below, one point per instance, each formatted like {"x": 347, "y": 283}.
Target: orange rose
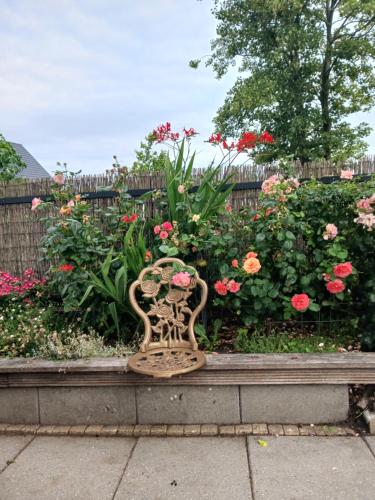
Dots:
{"x": 252, "y": 265}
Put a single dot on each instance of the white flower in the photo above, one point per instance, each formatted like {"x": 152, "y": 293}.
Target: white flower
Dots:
{"x": 181, "y": 189}
{"x": 196, "y": 217}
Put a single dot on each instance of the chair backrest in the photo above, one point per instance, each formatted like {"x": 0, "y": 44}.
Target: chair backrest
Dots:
{"x": 165, "y": 311}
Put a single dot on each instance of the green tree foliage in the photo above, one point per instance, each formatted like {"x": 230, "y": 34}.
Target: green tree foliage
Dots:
{"x": 304, "y": 65}
{"x": 10, "y": 163}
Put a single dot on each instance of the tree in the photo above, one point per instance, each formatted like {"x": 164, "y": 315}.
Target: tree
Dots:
{"x": 305, "y": 66}
{"x": 10, "y": 163}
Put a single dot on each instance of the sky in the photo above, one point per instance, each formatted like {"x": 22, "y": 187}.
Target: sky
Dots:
{"x": 82, "y": 80}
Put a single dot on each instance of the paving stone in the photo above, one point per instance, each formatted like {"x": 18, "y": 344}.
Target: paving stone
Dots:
{"x": 187, "y": 469}
{"x": 312, "y": 468}
{"x": 93, "y": 430}
{"x": 306, "y": 430}
{"x": 125, "y": 430}
{"x": 30, "y": 429}
{"x": 294, "y": 404}
{"x": 192, "y": 430}
{"x": 371, "y": 442}
{"x": 175, "y": 430}
{"x": 77, "y": 430}
{"x": 3, "y": 428}
{"x": 142, "y": 430}
{"x": 87, "y": 405}
{"x": 291, "y": 430}
{"x": 10, "y": 446}
{"x": 276, "y": 429}
{"x": 45, "y": 430}
{"x": 209, "y": 430}
{"x": 61, "y": 430}
{"x": 260, "y": 429}
{"x": 227, "y": 430}
{"x": 188, "y": 404}
{"x": 109, "y": 430}
{"x": 158, "y": 430}
{"x": 66, "y": 468}
{"x": 244, "y": 429}
{"x": 19, "y": 405}
{"x": 15, "y": 429}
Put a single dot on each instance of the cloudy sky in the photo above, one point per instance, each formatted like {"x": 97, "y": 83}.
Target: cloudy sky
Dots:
{"x": 81, "y": 80}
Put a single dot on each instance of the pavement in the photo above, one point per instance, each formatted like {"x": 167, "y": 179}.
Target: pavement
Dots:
{"x": 220, "y": 468}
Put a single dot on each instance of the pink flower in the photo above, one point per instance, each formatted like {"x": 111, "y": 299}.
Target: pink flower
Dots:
{"x": 300, "y": 302}
{"x": 163, "y": 235}
{"x": 70, "y": 203}
{"x": 181, "y": 279}
{"x": 343, "y": 270}
{"x": 235, "y": 263}
{"x": 347, "y": 174}
{"x": 364, "y": 205}
{"x": 331, "y": 232}
{"x": 326, "y": 276}
{"x": 336, "y": 286}
{"x": 221, "y": 288}
{"x": 189, "y": 132}
{"x": 233, "y": 286}
{"x": 167, "y": 226}
{"x": 35, "y": 203}
{"x": 229, "y": 208}
{"x": 59, "y": 178}
{"x": 157, "y": 229}
{"x": 181, "y": 189}
{"x": 367, "y": 220}
{"x": 268, "y": 184}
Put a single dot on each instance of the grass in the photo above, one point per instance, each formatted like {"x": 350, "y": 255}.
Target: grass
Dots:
{"x": 292, "y": 342}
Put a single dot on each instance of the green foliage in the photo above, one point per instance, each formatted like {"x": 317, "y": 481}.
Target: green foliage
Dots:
{"x": 208, "y": 342}
{"x": 148, "y": 161}
{"x": 259, "y": 341}
{"x": 304, "y": 67}
{"x": 10, "y": 163}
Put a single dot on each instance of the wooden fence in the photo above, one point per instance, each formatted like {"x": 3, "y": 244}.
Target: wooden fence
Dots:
{"x": 21, "y": 230}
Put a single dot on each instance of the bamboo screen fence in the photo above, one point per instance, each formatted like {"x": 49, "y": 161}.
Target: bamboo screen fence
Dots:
{"x": 21, "y": 230}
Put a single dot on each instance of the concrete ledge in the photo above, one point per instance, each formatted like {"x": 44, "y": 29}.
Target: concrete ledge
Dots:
{"x": 223, "y": 369}
{"x": 232, "y": 390}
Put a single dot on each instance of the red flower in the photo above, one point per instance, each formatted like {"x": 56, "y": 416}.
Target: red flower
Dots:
{"x": 336, "y": 286}
{"x": 247, "y": 141}
{"x": 266, "y": 138}
{"x": 189, "y": 132}
{"x": 65, "y": 268}
{"x": 148, "y": 256}
{"x": 163, "y": 133}
{"x": 235, "y": 263}
{"x": 300, "y": 302}
{"x": 220, "y": 288}
{"x": 233, "y": 286}
{"x": 215, "y": 138}
{"x": 163, "y": 235}
{"x": 228, "y": 146}
{"x": 229, "y": 208}
{"x": 167, "y": 226}
{"x": 343, "y": 270}
{"x": 128, "y": 219}
{"x": 255, "y": 217}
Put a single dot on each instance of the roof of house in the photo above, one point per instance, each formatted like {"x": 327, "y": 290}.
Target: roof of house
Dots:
{"x": 34, "y": 169}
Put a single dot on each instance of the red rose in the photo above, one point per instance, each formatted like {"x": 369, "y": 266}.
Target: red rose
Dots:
{"x": 220, "y": 288}
{"x": 167, "y": 226}
{"x": 300, "y": 302}
{"x": 234, "y": 263}
{"x": 336, "y": 286}
{"x": 65, "y": 268}
{"x": 343, "y": 270}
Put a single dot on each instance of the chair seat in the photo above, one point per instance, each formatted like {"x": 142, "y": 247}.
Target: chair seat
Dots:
{"x": 164, "y": 362}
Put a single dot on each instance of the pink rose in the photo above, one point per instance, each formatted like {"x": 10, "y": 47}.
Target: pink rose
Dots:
{"x": 70, "y": 203}
{"x": 221, "y": 288}
{"x": 347, "y": 174}
{"x": 343, "y": 270}
{"x": 157, "y": 229}
{"x": 181, "y": 279}
{"x": 167, "y": 226}
{"x": 336, "y": 286}
{"x": 364, "y": 205}
{"x": 35, "y": 203}
{"x": 163, "y": 235}
{"x": 59, "y": 179}
{"x": 331, "y": 232}
{"x": 233, "y": 286}
{"x": 300, "y": 302}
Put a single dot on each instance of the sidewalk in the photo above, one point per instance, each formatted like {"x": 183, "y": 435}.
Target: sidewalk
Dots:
{"x": 217, "y": 468}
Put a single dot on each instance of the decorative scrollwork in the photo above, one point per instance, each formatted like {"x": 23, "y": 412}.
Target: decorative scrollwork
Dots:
{"x": 169, "y": 321}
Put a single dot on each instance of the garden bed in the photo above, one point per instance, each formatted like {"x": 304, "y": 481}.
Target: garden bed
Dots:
{"x": 230, "y": 389}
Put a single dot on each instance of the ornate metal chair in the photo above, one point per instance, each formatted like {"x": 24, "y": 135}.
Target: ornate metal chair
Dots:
{"x": 169, "y": 346}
